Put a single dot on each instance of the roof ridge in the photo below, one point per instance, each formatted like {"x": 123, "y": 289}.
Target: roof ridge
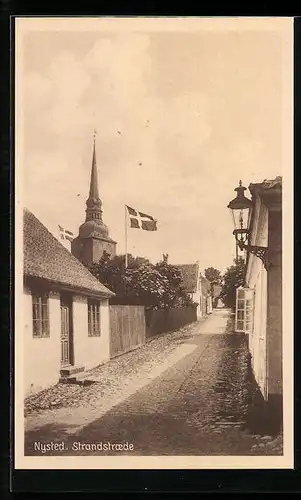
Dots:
{"x": 190, "y": 264}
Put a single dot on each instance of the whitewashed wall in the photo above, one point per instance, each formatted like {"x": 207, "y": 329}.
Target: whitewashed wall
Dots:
{"x": 196, "y": 297}
{"x": 90, "y": 351}
{"x": 256, "y": 278}
{"x": 41, "y": 355}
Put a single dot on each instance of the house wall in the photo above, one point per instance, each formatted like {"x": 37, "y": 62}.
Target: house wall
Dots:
{"x": 206, "y": 297}
{"x": 209, "y": 304}
{"x": 41, "y": 355}
{"x": 256, "y": 279}
{"x": 257, "y": 339}
{"x": 204, "y": 303}
{"x": 90, "y": 351}
{"x": 197, "y": 297}
{"x": 266, "y": 340}
{"x": 274, "y": 324}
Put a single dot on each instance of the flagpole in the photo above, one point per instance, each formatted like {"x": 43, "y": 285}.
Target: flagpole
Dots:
{"x": 126, "y": 236}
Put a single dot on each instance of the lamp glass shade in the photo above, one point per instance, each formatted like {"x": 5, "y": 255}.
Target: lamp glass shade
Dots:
{"x": 240, "y": 218}
{"x": 240, "y": 208}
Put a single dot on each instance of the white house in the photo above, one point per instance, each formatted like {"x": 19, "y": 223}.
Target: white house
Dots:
{"x": 259, "y": 303}
{"x": 198, "y": 287}
{"x": 65, "y": 308}
{"x": 206, "y": 297}
{"x": 216, "y": 300}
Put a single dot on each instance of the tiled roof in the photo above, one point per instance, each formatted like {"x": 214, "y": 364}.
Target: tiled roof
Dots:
{"x": 272, "y": 183}
{"x": 45, "y": 257}
{"x": 190, "y": 276}
{"x": 267, "y": 184}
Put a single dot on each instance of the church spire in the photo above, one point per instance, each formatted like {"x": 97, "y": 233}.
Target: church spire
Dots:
{"x": 94, "y": 181}
{"x": 93, "y": 211}
{"x": 93, "y": 236}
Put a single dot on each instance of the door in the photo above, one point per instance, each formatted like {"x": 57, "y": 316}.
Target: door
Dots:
{"x": 66, "y": 344}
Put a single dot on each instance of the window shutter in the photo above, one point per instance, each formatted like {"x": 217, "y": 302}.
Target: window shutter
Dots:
{"x": 244, "y": 310}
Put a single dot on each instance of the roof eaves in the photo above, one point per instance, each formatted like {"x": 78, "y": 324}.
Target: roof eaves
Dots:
{"x": 79, "y": 289}
{"x": 266, "y": 184}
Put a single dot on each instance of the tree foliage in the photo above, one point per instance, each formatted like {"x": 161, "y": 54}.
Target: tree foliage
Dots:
{"x": 213, "y": 275}
{"x": 232, "y": 279}
{"x": 157, "y": 286}
{"x": 112, "y": 272}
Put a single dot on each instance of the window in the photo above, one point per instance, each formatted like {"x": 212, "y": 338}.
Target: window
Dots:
{"x": 244, "y": 310}
{"x": 93, "y": 318}
{"x": 40, "y": 315}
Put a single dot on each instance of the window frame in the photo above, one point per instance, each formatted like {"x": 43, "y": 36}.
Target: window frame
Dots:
{"x": 40, "y": 314}
{"x": 244, "y": 312}
{"x": 94, "y": 325}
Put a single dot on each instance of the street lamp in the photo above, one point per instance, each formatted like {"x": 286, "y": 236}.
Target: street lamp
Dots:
{"x": 241, "y": 208}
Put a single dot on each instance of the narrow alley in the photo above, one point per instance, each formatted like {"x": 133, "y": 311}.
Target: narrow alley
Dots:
{"x": 184, "y": 393}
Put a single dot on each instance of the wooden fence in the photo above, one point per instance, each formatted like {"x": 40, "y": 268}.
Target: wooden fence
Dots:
{"x": 166, "y": 320}
{"x": 127, "y": 325}
{"x": 132, "y": 325}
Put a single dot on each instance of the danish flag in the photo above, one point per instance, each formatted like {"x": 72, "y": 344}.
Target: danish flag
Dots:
{"x": 140, "y": 220}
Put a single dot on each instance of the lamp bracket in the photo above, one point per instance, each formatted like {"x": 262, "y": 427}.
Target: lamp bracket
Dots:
{"x": 261, "y": 252}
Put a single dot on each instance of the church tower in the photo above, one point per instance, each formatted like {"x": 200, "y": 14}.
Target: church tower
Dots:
{"x": 93, "y": 238}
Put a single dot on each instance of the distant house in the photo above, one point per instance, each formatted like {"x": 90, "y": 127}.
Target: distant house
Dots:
{"x": 259, "y": 303}
{"x": 206, "y": 295}
{"x": 216, "y": 300}
{"x": 65, "y": 308}
{"x": 197, "y": 286}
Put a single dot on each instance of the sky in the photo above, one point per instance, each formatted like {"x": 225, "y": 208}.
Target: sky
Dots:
{"x": 181, "y": 117}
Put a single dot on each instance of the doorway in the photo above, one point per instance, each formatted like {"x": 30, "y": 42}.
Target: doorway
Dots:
{"x": 66, "y": 331}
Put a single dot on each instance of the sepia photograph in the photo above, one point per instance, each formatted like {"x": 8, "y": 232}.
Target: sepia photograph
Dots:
{"x": 154, "y": 243}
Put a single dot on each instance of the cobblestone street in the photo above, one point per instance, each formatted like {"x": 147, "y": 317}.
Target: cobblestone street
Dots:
{"x": 184, "y": 393}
